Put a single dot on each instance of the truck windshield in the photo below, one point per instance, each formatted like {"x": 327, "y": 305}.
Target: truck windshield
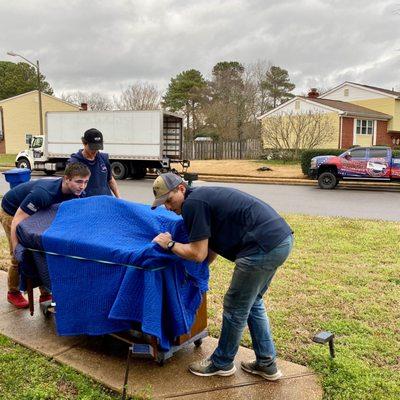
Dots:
{"x": 37, "y": 142}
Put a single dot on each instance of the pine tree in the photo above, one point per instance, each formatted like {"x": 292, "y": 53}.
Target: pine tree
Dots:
{"x": 184, "y": 93}
{"x": 278, "y": 85}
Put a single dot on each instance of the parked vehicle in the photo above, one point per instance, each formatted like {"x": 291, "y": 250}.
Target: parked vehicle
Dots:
{"x": 359, "y": 163}
{"x": 134, "y": 140}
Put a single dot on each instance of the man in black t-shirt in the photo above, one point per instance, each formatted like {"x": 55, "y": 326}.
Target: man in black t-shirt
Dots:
{"x": 26, "y": 199}
{"x": 244, "y": 230}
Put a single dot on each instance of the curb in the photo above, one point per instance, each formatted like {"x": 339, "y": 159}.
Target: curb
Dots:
{"x": 295, "y": 181}
{"x": 278, "y": 181}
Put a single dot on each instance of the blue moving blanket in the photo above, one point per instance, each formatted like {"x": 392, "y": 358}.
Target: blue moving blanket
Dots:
{"x": 141, "y": 282}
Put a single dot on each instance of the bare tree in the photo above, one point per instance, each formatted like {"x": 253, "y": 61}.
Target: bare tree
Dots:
{"x": 256, "y": 74}
{"x": 139, "y": 96}
{"x": 291, "y": 131}
{"x": 95, "y": 101}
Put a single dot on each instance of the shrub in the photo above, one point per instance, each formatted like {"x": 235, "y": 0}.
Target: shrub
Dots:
{"x": 307, "y": 155}
{"x": 281, "y": 154}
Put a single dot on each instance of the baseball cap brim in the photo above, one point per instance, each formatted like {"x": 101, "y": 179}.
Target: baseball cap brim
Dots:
{"x": 95, "y": 146}
{"x": 159, "y": 201}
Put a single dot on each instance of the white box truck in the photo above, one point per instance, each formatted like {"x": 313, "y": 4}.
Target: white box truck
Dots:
{"x": 134, "y": 140}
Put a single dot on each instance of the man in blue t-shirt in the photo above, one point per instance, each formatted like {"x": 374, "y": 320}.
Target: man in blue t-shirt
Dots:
{"x": 242, "y": 229}
{"x": 26, "y": 199}
{"x": 101, "y": 181}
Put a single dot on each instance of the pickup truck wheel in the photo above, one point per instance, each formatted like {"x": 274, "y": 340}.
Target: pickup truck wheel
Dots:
{"x": 119, "y": 170}
{"x": 49, "y": 173}
{"x": 23, "y": 163}
{"x": 327, "y": 180}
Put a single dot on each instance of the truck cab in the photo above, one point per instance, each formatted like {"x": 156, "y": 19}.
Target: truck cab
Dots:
{"x": 35, "y": 157}
{"x": 358, "y": 163}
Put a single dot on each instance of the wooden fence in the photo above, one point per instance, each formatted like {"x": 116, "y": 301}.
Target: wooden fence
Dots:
{"x": 208, "y": 150}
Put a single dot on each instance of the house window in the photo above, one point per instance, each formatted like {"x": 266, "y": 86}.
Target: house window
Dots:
{"x": 365, "y": 127}
{"x": 297, "y": 105}
{"x": 346, "y": 92}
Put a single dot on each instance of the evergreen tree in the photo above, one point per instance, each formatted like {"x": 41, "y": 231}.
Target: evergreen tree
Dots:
{"x": 185, "y": 93}
{"x": 227, "y": 107}
{"x": 18, "y": 78}
{"x": 277, "y": 85}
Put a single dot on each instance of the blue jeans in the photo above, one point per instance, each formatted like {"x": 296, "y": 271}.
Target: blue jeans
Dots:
{"x": 243, "y": 304}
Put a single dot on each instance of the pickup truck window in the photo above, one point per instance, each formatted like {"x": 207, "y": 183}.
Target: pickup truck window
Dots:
{"x": 378, "y": 153}
{"x": 357, "y": 153}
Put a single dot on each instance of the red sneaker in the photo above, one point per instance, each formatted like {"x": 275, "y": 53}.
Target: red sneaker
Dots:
{"x": 17, "y": 300}
{"x": 45, "y": 297}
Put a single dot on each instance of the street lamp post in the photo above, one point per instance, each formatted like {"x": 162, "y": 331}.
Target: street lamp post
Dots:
{"x": 11, "y": 53}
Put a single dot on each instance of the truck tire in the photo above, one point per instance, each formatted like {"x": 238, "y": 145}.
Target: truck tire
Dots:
{"x": 138, "y": 172}
{"x": 327, "y": 180}
{"x": 119, "y": 170}
{"x": 23, "y": 163}
{"x": 49, "y": 173}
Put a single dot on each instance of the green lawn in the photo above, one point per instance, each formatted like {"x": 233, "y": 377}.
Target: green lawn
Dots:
{"x": 343, "y": 276}
{"x": 7, "y": 160}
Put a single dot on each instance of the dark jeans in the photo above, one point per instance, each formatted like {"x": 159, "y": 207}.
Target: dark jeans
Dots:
{"x": 243, "y": 304}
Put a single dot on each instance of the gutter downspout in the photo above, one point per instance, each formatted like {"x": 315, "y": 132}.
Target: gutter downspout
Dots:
{"x": 341, "y": 129}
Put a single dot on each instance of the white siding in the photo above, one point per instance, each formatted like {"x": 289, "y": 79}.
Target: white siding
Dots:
{"x": 355, "y": 93}
{"x": 305, "y": 107}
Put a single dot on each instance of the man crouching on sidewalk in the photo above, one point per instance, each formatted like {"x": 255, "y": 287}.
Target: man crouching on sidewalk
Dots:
{"x": 25, "y": 200}
{"x": 242, "y": 229}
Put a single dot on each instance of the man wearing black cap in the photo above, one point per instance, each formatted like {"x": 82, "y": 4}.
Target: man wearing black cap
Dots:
{"x": 244, "y": 230}
{"x": 101, "y": 180}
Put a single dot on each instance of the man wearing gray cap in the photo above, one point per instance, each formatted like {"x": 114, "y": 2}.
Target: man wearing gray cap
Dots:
{"x": 101, "y": 181}
{"x": 244, "y": 230}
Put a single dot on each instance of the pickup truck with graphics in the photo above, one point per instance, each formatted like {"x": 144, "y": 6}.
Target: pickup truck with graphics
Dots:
{"x": 359, "y": 163}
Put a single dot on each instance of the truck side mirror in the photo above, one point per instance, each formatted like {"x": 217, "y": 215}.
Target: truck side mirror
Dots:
{"x": 347, "y": 157}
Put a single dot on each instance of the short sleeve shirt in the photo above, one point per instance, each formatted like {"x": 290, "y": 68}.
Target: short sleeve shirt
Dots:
{"x": 235, "y": 223}
{"x": 100, "y": 173}
{"x": 34, "y": 195}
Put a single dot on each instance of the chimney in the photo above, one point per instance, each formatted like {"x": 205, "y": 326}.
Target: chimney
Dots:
{"x": 313, "y": 94}
{"x": 83, "y": 107}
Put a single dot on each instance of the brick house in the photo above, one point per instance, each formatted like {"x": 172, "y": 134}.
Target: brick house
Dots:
{"x": 362, "y": 115}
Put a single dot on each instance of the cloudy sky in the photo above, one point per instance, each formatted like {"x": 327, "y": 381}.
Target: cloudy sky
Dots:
{"x": 105, "y": 45}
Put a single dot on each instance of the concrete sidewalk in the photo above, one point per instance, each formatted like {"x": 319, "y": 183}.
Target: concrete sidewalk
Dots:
{"x": 104, "y": 360}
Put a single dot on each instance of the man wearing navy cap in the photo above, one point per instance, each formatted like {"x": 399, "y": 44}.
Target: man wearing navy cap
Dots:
{"x": 101, "y": 181}
{"x": 244, "y": 230}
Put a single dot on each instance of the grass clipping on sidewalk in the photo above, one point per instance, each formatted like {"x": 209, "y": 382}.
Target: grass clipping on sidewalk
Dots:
{"x": 343, "y": 276}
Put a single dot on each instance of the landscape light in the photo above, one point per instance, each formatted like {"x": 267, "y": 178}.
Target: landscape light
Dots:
{"x": 325, "y": 337}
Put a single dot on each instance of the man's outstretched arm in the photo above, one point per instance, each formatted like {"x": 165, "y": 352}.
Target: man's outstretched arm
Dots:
{"x": 18, "y": 217}
{"x": 193, "y": 251}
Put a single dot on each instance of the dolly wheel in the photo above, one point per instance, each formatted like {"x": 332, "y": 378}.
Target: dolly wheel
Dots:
{"x": 198, "y": 342}
{"x": 160, "y": 363}
{"x": 46, "y": 312}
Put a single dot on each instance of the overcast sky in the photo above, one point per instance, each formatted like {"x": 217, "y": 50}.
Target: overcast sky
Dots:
{"x": 105, "y": 45}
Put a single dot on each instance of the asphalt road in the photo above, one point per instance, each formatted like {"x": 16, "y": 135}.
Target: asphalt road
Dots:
{"x": 310, "y": 200}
